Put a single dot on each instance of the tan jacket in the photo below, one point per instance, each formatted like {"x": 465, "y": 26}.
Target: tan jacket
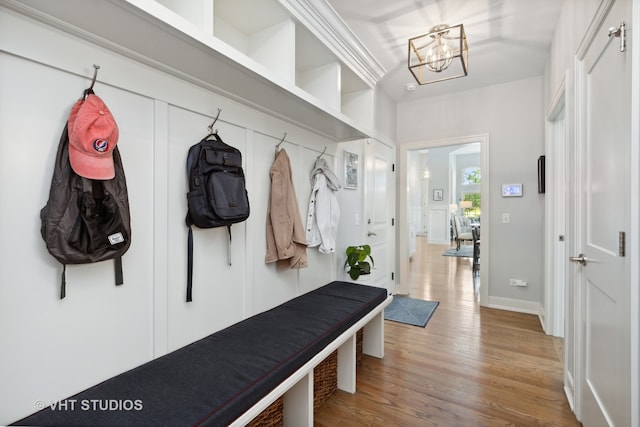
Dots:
{"x": 285, "y": 234}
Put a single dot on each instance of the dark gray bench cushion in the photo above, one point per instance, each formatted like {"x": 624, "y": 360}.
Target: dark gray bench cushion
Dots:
{"x": 214, "y": 380}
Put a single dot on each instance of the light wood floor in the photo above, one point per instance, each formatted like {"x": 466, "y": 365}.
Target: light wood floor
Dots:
{"x": 470, "y": 366}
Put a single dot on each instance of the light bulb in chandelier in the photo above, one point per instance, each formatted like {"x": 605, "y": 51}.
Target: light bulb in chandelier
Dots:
{"x": 438, "y": 57}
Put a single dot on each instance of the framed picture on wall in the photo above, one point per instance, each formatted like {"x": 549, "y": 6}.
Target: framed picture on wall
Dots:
{"x": 437, "y": 195}
{"x": 350, "y": 170}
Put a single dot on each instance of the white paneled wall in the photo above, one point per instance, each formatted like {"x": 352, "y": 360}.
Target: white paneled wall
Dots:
{"x": 216, "y": 285}
{"x": 439, "y": 225}
{"x": 53, "y": 348}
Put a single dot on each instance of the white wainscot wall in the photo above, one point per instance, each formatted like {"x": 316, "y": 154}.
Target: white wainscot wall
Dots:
{"x": 53, "y": 348}
{"x": 439, "y": 225}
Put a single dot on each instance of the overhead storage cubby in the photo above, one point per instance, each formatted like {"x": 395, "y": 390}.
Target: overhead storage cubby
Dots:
{"x": 356, "y": 98}
{"x": 317, "y": 69}
{"x": 199, "y": 12}
{"x": 256, "y": 51}
{"x": 262, "y": 30}
{"x": 323, "y": 76}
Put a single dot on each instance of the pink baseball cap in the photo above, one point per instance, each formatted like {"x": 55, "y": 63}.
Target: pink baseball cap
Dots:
{"x": 93, "y": 134}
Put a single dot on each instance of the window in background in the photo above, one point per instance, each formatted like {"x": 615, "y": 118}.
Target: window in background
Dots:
{"x": 474, "y": 210}
{"x": 471, "y": 176}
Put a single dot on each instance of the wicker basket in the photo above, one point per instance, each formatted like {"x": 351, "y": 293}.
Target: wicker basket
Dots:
{"x": 325, "y": 380}
{"x": 271, "y": 416}
{"x": 325, "y": 383}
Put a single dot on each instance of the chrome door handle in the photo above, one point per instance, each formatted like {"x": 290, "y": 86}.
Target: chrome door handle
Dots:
{"x": 371, "y": 233}
{"x": 581, "y": 259}
{"x": 620, "y": 31}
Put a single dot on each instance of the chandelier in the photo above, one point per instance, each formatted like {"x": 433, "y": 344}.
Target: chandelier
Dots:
{"x": 441, "y": 54}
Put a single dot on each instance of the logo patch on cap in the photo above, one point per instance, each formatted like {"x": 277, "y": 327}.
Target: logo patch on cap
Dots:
{"x": 100, "y": 145}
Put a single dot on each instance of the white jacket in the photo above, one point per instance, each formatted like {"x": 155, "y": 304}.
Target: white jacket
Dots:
{"x": 324, "y": 212}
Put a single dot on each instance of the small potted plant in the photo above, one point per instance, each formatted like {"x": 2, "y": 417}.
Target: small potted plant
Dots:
{"x": 357, "y": 260}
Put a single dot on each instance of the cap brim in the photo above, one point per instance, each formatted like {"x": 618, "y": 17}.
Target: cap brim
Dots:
{"x": 91, "y": 167}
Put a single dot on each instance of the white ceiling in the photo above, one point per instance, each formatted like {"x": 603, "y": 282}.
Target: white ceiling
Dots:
{"x": 508, "y": 39}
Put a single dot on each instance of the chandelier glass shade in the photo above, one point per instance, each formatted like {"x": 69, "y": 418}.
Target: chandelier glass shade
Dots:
{"x": 441, "y": 54}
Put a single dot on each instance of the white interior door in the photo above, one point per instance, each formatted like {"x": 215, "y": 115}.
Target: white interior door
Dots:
{"x": 379, "y": 208}
{"x": 603, "y": 197}
{"x": 555, "y": 173}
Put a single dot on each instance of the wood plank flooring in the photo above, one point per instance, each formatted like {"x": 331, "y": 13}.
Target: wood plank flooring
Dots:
{"x": 470, "y": 366}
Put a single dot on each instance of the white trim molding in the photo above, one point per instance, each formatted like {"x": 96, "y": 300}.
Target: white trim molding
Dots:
{"x": 328, "y": 26}
{"x": 517, "y": 305}
{"x": 402, "y": 286}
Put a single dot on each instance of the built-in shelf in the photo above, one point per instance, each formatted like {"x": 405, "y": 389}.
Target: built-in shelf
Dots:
{"x": 317, "y": 69}
{"x": 255, "y": 51}
{"x": 356, "y": 98}
{"x": 198, "y": 13}
{"x": 265, "y": 34}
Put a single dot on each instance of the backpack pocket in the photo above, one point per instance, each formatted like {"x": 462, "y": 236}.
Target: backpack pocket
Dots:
{"x": 227, "y": 195}
{"x": 198, "y": 213}
{"x": 222, "y": 156}
{"x": 99, "y": 228}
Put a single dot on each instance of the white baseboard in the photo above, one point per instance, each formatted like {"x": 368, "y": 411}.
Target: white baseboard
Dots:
{"x": 542, "y": 320}
{"x": 569, "y": 390}
{"x": 520, "y": 306}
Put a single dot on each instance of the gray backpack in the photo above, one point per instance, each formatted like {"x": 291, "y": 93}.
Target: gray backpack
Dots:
{"x": 85, "y": 220}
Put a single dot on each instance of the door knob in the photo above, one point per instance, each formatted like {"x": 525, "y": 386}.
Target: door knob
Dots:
{"x": 581, "y": 259}
{"x": 371, "y": 233}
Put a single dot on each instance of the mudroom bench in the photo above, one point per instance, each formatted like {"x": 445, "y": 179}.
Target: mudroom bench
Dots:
{"x": 234, "y": 375}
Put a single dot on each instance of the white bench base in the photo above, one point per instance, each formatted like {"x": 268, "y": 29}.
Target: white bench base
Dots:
{"x": 298, "y": 388}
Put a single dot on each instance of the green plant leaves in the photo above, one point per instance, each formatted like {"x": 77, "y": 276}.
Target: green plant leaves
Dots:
{"x": 357, "y": 260}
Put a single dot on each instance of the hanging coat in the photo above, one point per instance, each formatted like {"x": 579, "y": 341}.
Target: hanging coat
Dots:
{"x": 285, "y": 234}
{"x": 323, "y": 214}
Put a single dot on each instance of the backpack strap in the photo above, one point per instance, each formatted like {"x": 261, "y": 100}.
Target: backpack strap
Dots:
{"x": 229, "y": 244}
{"x": 189, "y": 264}
{"x": 190, "y": 260}
{"x": 63, "y": 282}
{"x": 118, "y": 271}
{"x": 63, "y": 278}
{"x": 190, "y": 161}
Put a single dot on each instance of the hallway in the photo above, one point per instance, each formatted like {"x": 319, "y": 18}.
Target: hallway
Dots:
{"x": 470, "y": 366}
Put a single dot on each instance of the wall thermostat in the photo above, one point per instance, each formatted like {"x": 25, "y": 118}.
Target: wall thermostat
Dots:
{"x": 511, "y": 190}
